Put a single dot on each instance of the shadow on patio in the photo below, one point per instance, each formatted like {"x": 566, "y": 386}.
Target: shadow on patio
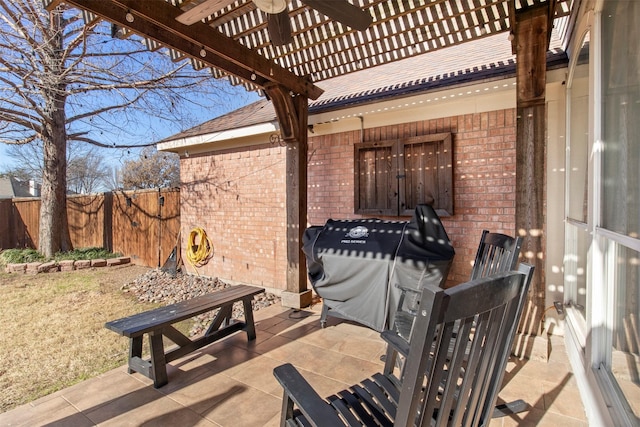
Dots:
{"x": 230, "y": 383}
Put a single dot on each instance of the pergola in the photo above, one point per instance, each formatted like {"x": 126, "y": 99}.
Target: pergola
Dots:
{"x": 232, "y": 38}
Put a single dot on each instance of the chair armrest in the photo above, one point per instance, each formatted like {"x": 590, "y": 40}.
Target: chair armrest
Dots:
{"x": 317, "y": 410}
{"x": 398, "y": 343}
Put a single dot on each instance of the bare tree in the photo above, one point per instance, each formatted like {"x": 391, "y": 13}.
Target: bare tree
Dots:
{"x": 87, "y": 173}
{"x": 114, "y": 181}
{"x": 153, "y": 169}
{"x": 27, "y": 160}
{"x": 62, "y": 80}
{"x": 19, "y": 173}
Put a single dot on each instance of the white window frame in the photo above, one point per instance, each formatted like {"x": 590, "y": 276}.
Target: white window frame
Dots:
{"x": 590, "y": 341}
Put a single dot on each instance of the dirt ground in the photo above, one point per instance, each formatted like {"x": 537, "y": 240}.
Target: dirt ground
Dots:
{"x": 52, "y": 331}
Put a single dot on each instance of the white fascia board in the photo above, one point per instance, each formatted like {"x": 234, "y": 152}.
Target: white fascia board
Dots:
{"x": 220, "y": 140}
{"x": 475, "y": 98}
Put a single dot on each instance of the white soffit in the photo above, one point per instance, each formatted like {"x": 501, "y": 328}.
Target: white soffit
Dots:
{"x": 216, "y": 138}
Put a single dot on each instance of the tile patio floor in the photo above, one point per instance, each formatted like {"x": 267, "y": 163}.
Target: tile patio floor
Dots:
{"x": 230, "y": 383}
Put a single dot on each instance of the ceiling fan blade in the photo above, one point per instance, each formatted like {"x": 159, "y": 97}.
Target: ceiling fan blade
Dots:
{"x": 279, "y": 28}
{"x": 201, "y": 11}
{"x": 343, "y": 12}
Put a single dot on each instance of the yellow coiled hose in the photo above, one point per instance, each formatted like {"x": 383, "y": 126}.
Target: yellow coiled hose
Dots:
{"x": 199, "y": 248}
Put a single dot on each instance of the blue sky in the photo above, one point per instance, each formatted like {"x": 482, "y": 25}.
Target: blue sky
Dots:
{"x": 3, "y": 157}
{"x": 117, "y": 156}
{"x": 155, "y": 116}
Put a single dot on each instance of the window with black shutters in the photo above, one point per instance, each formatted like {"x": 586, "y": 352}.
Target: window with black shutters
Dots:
{"x": 393, "y": 176}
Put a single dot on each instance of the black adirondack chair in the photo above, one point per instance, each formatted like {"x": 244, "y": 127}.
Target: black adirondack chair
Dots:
{"x": 460, "y": 345}
{"x": 496, "y": 253}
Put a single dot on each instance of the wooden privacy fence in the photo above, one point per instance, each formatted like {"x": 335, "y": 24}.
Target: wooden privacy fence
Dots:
{"x": 143, "y": 225}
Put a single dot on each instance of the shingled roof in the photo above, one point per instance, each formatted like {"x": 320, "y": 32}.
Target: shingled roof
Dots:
{"x": 481, "y": 60}
{"x": 11, "y": 187}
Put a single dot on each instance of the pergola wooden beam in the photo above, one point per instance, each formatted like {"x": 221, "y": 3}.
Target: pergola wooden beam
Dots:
{"x": 293, "y": 114}
{"x": 157, "y": 20}
{"x": 289, "y": 94}
{"x": 531, "y": 27}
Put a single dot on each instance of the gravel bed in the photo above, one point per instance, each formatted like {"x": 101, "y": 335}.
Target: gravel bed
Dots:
{"x": 161, "y": 287}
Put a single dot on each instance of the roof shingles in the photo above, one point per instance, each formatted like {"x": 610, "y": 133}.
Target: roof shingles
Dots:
{"x": 487, "y": 58}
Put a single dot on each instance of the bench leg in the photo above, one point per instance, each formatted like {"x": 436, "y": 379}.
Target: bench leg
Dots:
{"x": 135, "y": 350}
{"x": 158, "y": 361}
{"x": 250, "y": 326}
{"x": 221, "y": 319}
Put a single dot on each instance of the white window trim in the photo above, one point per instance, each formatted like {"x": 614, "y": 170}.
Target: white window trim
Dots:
{"x": 591, "y": 359}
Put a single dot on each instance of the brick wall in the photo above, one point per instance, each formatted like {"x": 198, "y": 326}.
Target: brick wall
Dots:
{"x": 484, "y": 177}
{"x": 238, "y": 196}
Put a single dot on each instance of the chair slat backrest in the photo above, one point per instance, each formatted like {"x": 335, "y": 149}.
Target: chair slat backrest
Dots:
{"x": 462, "y": 344}
{"x": 496, "y": 252}
{"x": 507, "y": 342}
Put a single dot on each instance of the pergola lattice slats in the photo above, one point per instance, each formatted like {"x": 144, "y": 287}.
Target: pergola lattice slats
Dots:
{"x": 323, "y": 49}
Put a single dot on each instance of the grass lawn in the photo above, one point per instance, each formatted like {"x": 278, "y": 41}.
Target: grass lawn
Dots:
{"x": 52, "y": 331}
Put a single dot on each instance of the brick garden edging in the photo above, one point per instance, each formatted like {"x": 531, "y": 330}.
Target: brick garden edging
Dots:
{"x": 69, "y": 265}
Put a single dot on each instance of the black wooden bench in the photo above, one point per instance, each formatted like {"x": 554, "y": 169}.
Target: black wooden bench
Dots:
{"x": 158, "y": 323}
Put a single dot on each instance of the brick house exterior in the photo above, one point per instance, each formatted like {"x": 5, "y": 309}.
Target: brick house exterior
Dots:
{"x": 484, "y": 176}
{"x": 233, "y": 169}
{"x": 237, "y": 197}
{"x": 237, "y": 194}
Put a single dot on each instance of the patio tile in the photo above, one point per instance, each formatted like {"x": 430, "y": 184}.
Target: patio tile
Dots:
{"x": 273, "y": 422}
{"x": 56, "y": 411}
{"x": 258, "y": 408}
{"x": 101, "y": 390}
{"x": 362, "y": 347}
{"x": 259, "y": 374}
{"x": 293, "y": 329}
{"x": 546, "y": 371}
{"x": 205, "y": 391}
{"x": 275, "y": 310}
{"x": 225, "y": 356}
{"x": 231, "y": 383}
{"x": 145, "y": 406}
{"x": 529, "y": 391}
{"x": 560, "y": 399}
{"x": 351, "y": 328}
{"x": 325, "y": 362}
{"x": 184, "y": 373}
{"x": 273, "y": 343}
{"x": 189, "y": 362}
{"x": 537, "y": 417}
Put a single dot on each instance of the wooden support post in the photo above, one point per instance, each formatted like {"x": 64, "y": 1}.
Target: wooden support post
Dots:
{"x": 293, "y": 114}
{"x": 531, "y": 30}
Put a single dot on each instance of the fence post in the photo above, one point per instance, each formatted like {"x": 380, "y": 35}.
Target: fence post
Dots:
{"x": 160, "y": 205}
{"x": 107, "y": 230}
